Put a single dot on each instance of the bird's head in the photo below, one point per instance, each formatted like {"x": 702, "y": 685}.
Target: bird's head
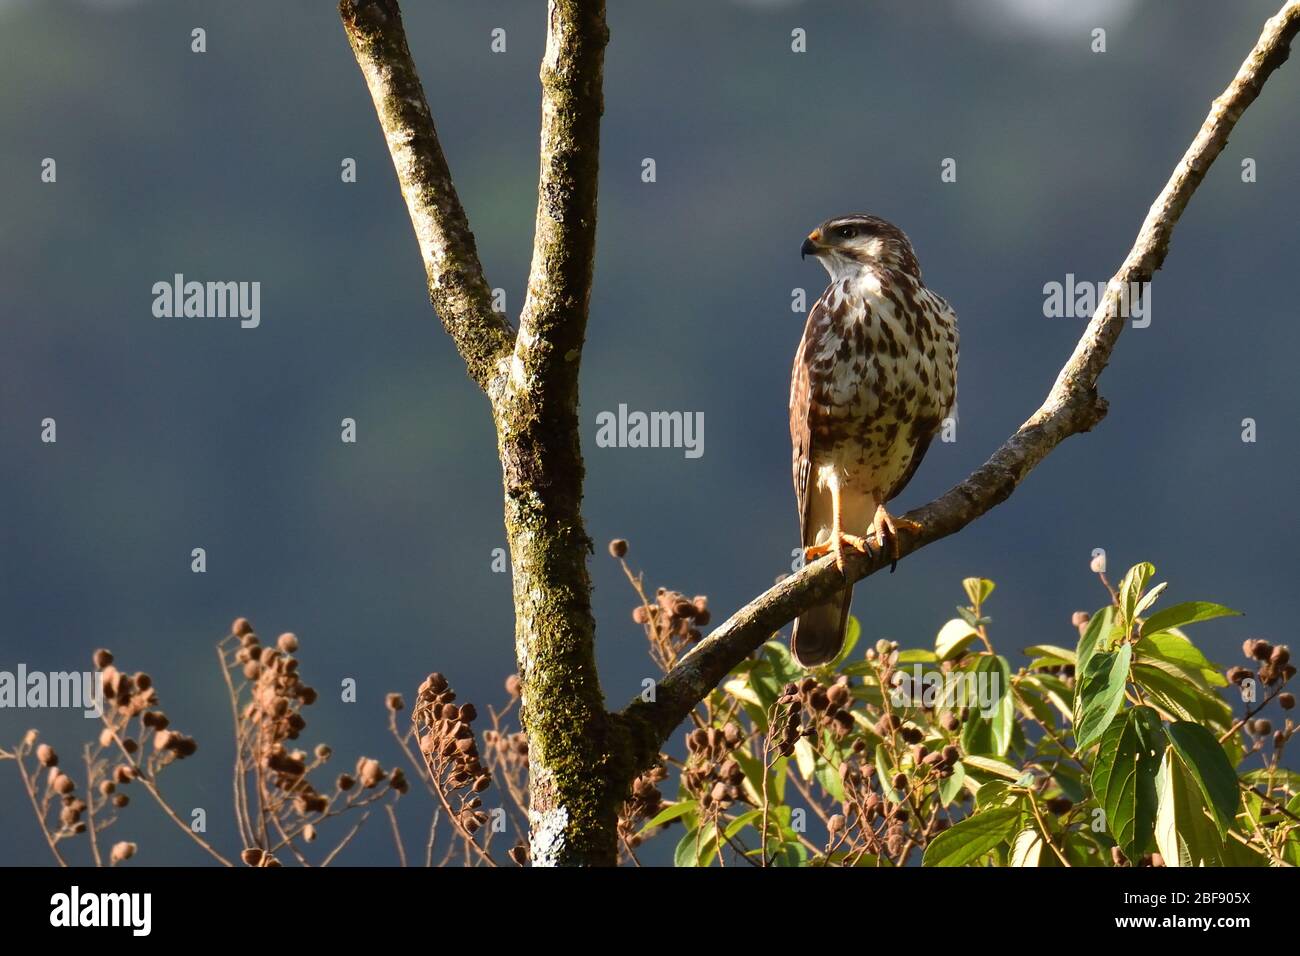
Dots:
{"x": 846, "y": 245}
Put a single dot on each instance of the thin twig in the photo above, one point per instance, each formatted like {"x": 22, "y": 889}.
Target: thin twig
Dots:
{"x": 346, "y": 840}
{"x": 30, "y": 787}
{"x": 90, "y": 805}
{"x": 397, "y": 834}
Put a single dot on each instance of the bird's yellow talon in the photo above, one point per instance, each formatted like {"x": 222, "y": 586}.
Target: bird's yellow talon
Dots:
{"x": 837, "y": 544}
{"x": 815, "y": 551}
{"x": 886, "y": 528}
{"x": 856, "y": 543}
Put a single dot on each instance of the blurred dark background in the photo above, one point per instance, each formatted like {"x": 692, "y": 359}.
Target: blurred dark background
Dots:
{"x": 183, "y": 433}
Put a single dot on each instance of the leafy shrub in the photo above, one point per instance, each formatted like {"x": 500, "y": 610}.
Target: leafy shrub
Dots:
{"x": 1119, "y": 750}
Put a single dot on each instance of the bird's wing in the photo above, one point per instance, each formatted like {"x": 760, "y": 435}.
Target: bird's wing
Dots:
{"x": 925, "y": 427}
{"x": 801, "y": 432}
{"x": 923, "y": 431}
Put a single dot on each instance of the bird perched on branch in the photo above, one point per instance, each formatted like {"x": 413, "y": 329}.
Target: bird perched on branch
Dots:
{"x": 874, "y": 378}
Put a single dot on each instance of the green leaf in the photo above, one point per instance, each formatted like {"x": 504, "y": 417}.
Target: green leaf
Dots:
{"x": 990, "y": 765}
{"x": 950, "y": 786}
{"x": 1189, "y": 612}
{"x": 754, "y": 773}
{"x": 1124, "y": 778}
{"x": 1027, "y": 848}
{"x": 679, "y": 809}
{"x": 953, "y": 638}
{"x": 885, "y": 774}
{"x": 738, "y": 687}
{"x": 828, "y": 768}
{"x": 745, "y": 819}
{"x": 972, "y": 837}
{"x": 995, "y": 793}
{"x": 697, "y": 848}
{"x": 1234, "y": 854}
{"x": 762, "y": 686}
{"x": 684, "y": 855}
{"x": 851, "y": 635}
{"x": 780, "y": 771}
{"x": 1148, "y": 599}
{"x": 1173, "y": 653}
{"x": 1131, "y": 587}
{"x": 805, "y": 758}
{"x": 1031, "y": 705}
{"x": 989, "y": 728}
{"x": 1278, "y": 778}
{"x": 1101, "y": 692}
{"x": 1096, "y": 637}
{"x": 790, "y": 854}
{"x": 1053, "y": 689}
{"x": 971, "y": 618}
{"x": 1070, "y": 781}
{"x": 1181, "y": 698}
{"x": 978, "y": 589}
{"x": 1083, "y": 849}
{"x": 1184, "y": 834}
{"x": 784, "y": 668}
{"x": 1058, "y": 655}
{"x": 1208, "y": 764}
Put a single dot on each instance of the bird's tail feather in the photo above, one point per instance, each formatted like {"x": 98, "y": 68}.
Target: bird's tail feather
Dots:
{"x": 819, "y": 631}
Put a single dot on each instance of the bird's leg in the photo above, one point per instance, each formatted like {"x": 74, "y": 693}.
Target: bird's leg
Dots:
{"x": 886, "y": 528}
{"x": 839, "y": 537}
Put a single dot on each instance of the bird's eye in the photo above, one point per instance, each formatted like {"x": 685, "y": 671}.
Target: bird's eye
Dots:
{"x": 847, "y": 232}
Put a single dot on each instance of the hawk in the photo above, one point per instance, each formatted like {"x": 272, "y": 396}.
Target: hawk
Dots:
{"x": 874, "y": 378}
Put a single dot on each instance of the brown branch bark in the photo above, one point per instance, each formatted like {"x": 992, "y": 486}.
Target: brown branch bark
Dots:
{"x": 1071, "y": 406}
{"x": 457, "y": 289}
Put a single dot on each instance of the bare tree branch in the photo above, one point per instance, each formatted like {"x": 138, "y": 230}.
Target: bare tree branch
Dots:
{"x": 457, "y": 288}
{"x": 1072, "y": 406}
{"x": 554, "y": 319}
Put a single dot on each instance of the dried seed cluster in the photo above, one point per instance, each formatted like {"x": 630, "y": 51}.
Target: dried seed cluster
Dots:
{"x": 825, "y": 706}
{"x": 130, "y": 696}
{"x": 644, "y": 802}
{"x": 711, "y": 772}
{"x": 1274, "y": 663}
{"x": 672, "y": 621}
{"x": 64, "y": 788}
{"x": 511, "y": 749}
{"x": 274, "y": 711}
{"x": 450, "y": 749}
{"x": 1273, "y": 669}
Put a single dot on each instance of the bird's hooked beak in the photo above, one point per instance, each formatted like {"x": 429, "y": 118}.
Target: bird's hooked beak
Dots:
{"x": 811, "y": 245}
